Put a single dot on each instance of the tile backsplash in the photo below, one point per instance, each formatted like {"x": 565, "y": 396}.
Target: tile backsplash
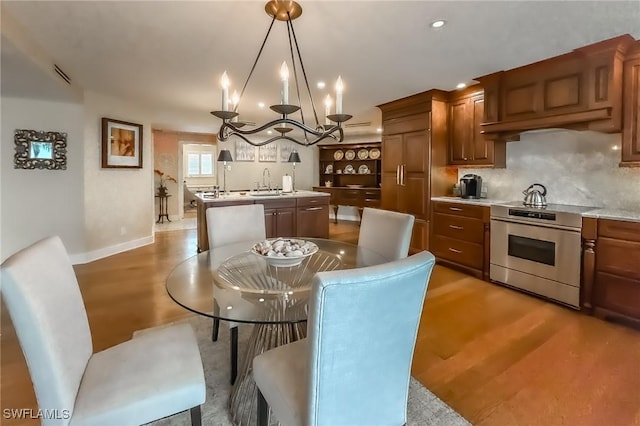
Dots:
{"x": 579, "y": 168}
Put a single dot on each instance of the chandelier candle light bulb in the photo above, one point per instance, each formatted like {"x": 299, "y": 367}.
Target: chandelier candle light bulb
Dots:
{"x": 284, "y": 75}
{"x": 327, "y": 109}
{"x": 234, "y": 101}
{"x": 224, "y": 81}
{"x": 339, "y": 89}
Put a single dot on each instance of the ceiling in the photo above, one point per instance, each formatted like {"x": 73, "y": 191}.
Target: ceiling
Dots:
{"x": 170, "y": 54}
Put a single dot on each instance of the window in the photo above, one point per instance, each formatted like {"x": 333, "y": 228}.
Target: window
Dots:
{"x": 200, "y": 163}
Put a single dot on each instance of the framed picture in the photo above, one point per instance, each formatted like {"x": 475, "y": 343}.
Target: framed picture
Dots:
{"x": 121, "y": 144}
{"x": 268, "y": 153}
{"x": 285, "y": 151}
{"x": 245, "y": 151}
{"x": 40, "y": 150}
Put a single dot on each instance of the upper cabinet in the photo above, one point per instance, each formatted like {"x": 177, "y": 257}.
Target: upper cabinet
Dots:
{"x": 467, "y": 145}
{"x": 579, "y": 90}
{"x": 631, "y": 106}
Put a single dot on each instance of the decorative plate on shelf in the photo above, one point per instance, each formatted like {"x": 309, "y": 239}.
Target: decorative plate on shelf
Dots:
{"x": 338, "y": 155}
{"x": 350, "y": 154}
{"x": 374, "y": 153}
{"x": 363, "y": 154}
{"x": 329, "y": 169}
{"x": 349, "y": 169}
{"x": 363, "y": 170}
{"x": 355, "y": 186}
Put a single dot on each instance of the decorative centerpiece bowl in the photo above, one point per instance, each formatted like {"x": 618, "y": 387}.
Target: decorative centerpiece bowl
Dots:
{"x": 284, "y": 252}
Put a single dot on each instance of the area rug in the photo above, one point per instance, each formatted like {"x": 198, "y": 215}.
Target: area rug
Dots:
{"x": 424, "y": 407}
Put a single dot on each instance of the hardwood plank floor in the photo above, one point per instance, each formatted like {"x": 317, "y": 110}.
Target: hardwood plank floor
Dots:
{"x": 496, "y": 356}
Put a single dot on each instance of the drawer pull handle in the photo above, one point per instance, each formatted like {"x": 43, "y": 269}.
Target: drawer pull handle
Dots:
{"x": 455, "y": 209}
{"x": 313, "y": 209}
{"x": 455, "y": 251}
{"x": 456, "y": 227}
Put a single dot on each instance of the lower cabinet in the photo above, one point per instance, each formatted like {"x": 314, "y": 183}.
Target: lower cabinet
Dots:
{"x": 611, "y": 276}
{"x": 460, "y": 237}
{"x": 279, "y": 217}
{"x": 312, "y": 217}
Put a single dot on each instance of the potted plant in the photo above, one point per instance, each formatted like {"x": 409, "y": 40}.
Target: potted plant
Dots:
{"x": 162, "y": 188}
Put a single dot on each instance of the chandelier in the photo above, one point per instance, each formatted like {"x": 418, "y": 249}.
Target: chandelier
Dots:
{"x": 285, "y": 11}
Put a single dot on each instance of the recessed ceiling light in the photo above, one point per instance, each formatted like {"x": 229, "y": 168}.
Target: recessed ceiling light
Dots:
{"x": 321, "y": 85}
{"x": 260, "y": 104}
{"x": 461, "y": 85}
{"x": 269, "y": 132}
{"x": 615, "y": 147}
{"x": 379, "y": 130}
{"x": 438, "y": 24}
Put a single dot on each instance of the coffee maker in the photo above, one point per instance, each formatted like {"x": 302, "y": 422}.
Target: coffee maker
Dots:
{"x": 470, "y": 186}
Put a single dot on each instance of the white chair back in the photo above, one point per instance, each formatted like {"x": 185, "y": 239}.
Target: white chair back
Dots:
{"x": 362, "y": 329}
{"x": 386, "y": 232}
{"x": 42, "y": 295}
{"x": 231, "y": 224}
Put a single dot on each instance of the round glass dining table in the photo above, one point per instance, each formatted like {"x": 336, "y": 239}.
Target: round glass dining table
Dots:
{"x": 233, "y": 284}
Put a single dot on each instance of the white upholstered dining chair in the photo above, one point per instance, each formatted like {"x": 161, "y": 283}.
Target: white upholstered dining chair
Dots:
{"x": 228, "y": 225}
{"x": 354, "y": 367}
{"x": 386, "y": 232}
{"x": 146, "y": 378}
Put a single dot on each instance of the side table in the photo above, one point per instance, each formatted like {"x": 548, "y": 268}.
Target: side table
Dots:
{"x": 163, "y": 207}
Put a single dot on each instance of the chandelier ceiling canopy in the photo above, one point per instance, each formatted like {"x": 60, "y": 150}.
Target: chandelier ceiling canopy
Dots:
{"x": 285, "y": 11}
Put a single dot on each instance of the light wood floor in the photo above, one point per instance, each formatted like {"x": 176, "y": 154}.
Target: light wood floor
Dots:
{"x": 496, "y": 356}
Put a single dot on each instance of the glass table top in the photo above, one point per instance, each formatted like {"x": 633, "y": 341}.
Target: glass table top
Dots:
{"x": 233, "y": 284}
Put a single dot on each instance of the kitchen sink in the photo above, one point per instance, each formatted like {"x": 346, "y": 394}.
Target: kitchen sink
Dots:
{"x": 266, "y": 193}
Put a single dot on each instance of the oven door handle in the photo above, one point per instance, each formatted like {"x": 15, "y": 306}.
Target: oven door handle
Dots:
{"x": 543, "y": 225}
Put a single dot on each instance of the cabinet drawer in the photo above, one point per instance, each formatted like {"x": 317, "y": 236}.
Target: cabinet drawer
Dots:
{"x": 617, "y": 294}
{"x": 313, "y": 201}
{"x": 277, "y": 203}
{"x": 458, "y": 227}
{"x": 619, "y": 229}
{"x": 459, "y": 209}
{"x": 462, "y": 252}
{"x": 618, "y": 257}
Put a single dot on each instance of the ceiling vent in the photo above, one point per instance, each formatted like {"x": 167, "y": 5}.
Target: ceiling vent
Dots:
{"x": 62, "y": 74}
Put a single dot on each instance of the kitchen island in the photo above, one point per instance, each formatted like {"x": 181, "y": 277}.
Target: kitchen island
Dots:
{"x": 297, "y": 214}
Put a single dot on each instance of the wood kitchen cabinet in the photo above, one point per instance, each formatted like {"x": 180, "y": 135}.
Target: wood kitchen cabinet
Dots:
{"x": 579, "y": 90}
{"x": 460, "y": 237}
{"x": 631, "y": 105}
{"x": 611, "y": 277}
{"x": 355, "y": 197}
{"x": 467, "y": 145}
{"x": 279, "y": 217}
{"x": 312, "y": 217}
{"x": 414, "y": 158}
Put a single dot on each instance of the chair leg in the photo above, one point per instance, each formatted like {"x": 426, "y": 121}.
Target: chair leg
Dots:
{"x": 196, "y": 416}
{"x": 234, "y": 354}
{"x": 214, "y": 331}
{"x": 263, "y": 410}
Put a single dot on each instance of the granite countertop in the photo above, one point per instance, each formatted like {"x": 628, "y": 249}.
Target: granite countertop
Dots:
{"x": 237, "y": 196}
{"x": 616, "y": 214}
{"x": 476, "y": 201}
{"x": 596, "y": 212}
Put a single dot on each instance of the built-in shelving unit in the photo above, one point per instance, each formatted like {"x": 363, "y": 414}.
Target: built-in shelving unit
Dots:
{"x": 350, "y": 165}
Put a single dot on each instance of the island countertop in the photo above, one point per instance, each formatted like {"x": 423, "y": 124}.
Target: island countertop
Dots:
{"x": 293, "y": 214}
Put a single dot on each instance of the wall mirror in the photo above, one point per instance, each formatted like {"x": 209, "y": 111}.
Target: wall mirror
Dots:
{"x": 40, "y": 150}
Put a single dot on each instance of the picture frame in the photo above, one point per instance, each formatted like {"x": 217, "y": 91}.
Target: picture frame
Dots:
{"x": 285, "y": 152}
{"x": 40, "y": 150}
{"x": 121, "y": 144}
{"x": 245, "y": 151}
{"x": 268, "y": 153}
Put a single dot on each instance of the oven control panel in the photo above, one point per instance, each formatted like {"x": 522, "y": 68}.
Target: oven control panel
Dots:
{"x": 532, "y": 215}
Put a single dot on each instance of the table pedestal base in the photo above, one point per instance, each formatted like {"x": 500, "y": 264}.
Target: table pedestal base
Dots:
{"x": 243, "y": 402}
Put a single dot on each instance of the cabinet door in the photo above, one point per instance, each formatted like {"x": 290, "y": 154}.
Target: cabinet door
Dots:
{"x": 313, "y": 222}
{"x": 270, "y": 222}
{"x": 286, "y": 222}
{"x": 631, "y": 120}
{"x": 459, "y": 128}
{"x": 482, "y": 148}
{"x": 392, "y": 157}
{"x": 389, "y": 192}
{"x": 414, "y": 179}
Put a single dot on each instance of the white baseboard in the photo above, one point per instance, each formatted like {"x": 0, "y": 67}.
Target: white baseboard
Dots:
{"x": 78, "y": 259}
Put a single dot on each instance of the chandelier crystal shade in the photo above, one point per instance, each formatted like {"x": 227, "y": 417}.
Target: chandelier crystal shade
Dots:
{"x": 285, "y": 11}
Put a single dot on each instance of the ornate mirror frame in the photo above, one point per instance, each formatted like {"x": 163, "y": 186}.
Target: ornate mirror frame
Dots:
{"x": 40, "y": 150}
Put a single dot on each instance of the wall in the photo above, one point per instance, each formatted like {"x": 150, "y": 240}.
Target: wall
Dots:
{"x": 39, "y": 203}
{"x": 118, "y": 202}
{"x": 579, "y": 168}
